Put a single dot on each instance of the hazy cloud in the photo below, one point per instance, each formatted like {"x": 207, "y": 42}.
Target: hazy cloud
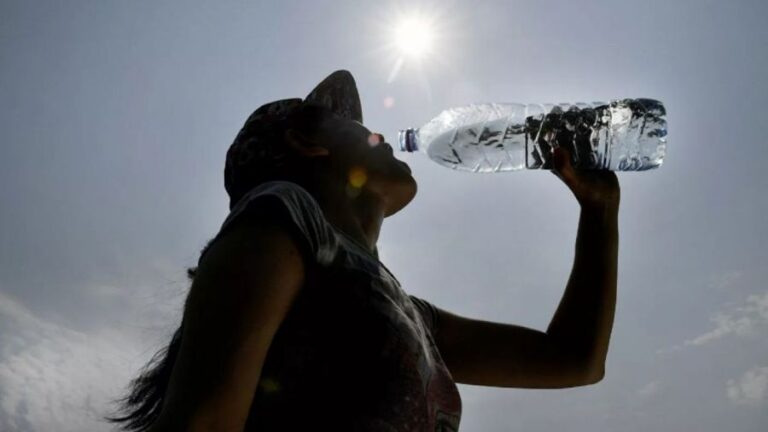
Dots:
{"x": 750, "y": 389}
{"x": 56, "y": 379}
{"x": 743, "y": 320}
{"x": 740, "y": 321}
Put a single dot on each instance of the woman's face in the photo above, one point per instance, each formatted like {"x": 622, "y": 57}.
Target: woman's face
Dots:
{"x": 368, "y": 162}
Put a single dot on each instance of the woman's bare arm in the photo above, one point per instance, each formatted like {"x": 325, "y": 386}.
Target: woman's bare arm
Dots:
{"x": 572, "y": 352}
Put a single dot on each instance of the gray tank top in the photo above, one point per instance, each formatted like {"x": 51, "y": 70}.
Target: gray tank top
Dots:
{"x": 355, "y": 352}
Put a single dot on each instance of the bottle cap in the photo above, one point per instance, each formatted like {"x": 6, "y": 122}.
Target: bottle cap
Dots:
{"x": 407, "y": 140}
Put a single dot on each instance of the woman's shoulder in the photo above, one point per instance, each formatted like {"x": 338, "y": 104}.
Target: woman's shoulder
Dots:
{"x": 293, "y": 204}
{"x": 294, "y": 196}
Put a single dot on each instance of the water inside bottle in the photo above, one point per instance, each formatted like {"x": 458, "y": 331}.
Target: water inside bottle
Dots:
{"x": 625, "y": 135}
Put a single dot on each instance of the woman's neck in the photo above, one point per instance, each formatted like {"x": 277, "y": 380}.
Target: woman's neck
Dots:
{"x": 359, "y": 215}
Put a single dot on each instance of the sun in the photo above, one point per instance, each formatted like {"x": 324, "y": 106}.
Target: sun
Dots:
{"x": 414, "y": 36}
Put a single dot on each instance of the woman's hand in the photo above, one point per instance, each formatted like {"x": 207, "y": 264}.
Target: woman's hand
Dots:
{"x": 592, "y": 188}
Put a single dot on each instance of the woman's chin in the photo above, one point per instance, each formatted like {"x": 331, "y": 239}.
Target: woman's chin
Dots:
{"x": 401, "y": 192}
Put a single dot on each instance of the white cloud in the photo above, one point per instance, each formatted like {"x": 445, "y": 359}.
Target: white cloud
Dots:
{"x": 725, "y": 324}
{"x": 57, "y": 379}
{"x": 742, "y": 321}
{"x": 750, "y": 389}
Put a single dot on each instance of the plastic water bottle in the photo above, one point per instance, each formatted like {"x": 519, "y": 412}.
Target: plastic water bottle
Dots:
{"x": 623, "y": 135}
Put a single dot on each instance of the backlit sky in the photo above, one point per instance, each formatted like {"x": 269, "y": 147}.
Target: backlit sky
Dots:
{"x": 114, "y": 122}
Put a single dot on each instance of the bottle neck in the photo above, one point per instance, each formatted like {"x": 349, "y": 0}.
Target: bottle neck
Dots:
{"x": 407, "y": 140}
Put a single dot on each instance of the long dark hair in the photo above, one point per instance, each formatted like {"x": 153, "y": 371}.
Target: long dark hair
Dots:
{"x": 141, "y": 407}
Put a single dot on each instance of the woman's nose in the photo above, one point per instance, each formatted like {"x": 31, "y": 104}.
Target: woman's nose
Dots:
{"x": 375, "y": 139}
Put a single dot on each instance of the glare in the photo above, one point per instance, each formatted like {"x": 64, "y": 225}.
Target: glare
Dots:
{"x": 357, "y": 177}
{"x": 414, "y": 36}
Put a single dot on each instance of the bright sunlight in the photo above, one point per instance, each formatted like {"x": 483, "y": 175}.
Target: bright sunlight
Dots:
{"x": 414, "y": 36}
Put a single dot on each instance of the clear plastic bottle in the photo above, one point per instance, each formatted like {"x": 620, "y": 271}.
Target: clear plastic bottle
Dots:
{"x": 623, "y": 135}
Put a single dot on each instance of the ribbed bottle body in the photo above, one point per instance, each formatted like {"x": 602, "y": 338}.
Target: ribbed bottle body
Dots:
{"x": 623, "y": 135}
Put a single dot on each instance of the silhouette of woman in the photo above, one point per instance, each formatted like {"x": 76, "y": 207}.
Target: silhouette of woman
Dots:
{"x": 292, "y": 322}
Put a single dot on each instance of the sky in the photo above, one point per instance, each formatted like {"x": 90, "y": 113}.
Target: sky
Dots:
{"x": 114, "y": 122}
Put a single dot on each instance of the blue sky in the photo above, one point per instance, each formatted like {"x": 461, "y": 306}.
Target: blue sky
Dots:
{"x": 116, "y": 116}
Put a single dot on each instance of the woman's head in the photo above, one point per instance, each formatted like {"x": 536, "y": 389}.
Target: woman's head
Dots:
{"x": 356, "y": 159}
{"x": 257, "y": 153}
{"x": 314, "y": 142}
{"x": 311, "y": 145}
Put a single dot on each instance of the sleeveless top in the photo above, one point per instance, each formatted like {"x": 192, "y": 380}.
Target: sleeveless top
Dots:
{"x": 355, "y": 352}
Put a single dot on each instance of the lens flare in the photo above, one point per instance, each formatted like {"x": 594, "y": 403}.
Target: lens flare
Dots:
{"x": 269, "y": 385}
{"x": 357, "y": 177}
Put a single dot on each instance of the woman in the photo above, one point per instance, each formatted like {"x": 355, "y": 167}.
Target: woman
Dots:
{"x": 293, "y": 323}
